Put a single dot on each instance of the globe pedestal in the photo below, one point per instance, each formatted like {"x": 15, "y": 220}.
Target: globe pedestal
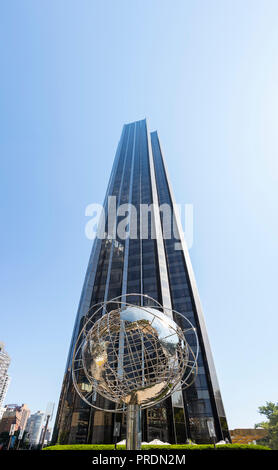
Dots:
{"x": 133, "y": 427}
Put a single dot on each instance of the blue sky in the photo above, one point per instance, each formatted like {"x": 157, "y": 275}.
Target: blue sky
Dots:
{"x": 205, "y": 75}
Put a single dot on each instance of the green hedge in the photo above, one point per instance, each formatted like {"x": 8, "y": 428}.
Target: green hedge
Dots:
{"x": 147, "y": 447}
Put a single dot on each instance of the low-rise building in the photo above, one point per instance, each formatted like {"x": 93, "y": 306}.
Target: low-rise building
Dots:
{"x": 247, "y": 436}
{"x": 14, "y": 414}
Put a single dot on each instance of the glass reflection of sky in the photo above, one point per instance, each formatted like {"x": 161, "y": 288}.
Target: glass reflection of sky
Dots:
{"x": 165, "y": 327}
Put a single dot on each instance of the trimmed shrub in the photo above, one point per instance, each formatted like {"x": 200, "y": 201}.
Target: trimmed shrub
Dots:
{"x": 149, "y": 447}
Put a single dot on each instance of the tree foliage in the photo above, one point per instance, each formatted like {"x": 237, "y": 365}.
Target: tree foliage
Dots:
{"x": 270, "y": 411}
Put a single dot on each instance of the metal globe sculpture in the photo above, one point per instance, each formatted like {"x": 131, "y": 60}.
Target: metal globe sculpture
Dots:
{"x": 134, "y": 356}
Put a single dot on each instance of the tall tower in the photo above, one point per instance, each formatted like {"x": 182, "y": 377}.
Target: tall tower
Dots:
{"x": 4, "y": 377}
{"x": 157, "y": 264}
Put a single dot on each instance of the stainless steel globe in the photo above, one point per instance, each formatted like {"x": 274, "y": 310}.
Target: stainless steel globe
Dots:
{"x": 135, "y": 355}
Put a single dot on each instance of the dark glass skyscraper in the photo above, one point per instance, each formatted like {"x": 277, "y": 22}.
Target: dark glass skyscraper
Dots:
{"x": 153, "y": 266}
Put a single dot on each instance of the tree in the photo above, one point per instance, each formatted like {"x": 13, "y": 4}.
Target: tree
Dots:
{"x": 270, "y": 411}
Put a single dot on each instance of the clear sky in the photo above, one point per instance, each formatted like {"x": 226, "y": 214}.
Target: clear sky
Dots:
{"x": 205, "y": 75}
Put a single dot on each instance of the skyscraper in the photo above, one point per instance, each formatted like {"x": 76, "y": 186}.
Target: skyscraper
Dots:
{"x": 4, "y": 377}
{"x": 152, "y": 259}
{"x": 34, "y": 427}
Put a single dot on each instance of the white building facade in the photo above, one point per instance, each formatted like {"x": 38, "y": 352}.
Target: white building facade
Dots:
{"x": 4, "y": 377}
{"x": 34, "y": 427}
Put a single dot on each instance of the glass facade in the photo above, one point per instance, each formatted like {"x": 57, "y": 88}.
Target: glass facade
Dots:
{"x": 148, "y": 264}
